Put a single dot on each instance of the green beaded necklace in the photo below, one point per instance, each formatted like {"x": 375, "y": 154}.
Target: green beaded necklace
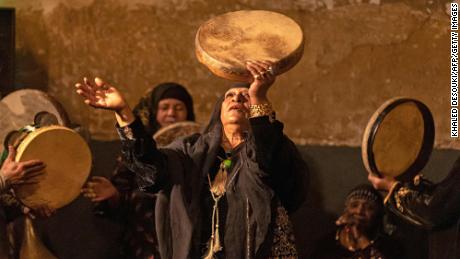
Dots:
{"x": 217, "y": 189}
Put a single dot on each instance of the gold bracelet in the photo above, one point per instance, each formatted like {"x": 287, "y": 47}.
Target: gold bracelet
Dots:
{"x": 259, "y": 110}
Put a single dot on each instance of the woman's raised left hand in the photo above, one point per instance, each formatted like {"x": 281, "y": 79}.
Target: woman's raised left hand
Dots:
{"x": 264, "y": 76}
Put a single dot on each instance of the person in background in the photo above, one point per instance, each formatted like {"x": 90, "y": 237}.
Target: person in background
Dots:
{"x": 359, "y": 231}
{"x": 119, "y": 197}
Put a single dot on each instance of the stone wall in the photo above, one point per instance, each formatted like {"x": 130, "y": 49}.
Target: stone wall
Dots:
{"x": 358, "y": 53}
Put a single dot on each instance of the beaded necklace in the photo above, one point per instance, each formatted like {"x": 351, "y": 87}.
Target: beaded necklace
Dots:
{"x": 217, "y": 189}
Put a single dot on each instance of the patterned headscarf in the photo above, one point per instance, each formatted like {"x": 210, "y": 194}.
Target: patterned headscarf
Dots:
{"x": 366, "y": 192}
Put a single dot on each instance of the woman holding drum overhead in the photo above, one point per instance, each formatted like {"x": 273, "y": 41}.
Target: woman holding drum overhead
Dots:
{"x": 221, "y": 193}
{"x": 164, "y": 105}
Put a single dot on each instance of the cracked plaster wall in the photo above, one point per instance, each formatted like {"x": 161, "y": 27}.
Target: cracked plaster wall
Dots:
{"x": 358, "y": 54}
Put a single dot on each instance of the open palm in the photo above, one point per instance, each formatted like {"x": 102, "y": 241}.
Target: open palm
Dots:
{"x": 101, "y": 95}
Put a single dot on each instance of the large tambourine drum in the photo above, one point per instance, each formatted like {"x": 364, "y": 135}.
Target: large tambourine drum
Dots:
{"x": 68, "y": 163}
{"x": 20, "y": 108}
{"x": 398, "y": 139}
{"x": 225, "y": 42}
{"x": 168, "y": 134}
{"x": 26, "y": 103}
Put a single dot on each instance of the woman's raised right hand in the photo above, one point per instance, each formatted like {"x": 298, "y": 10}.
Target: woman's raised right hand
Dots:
{"x": 101, "y": 95}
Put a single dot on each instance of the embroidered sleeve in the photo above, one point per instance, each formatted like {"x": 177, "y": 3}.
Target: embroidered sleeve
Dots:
{"x": 424, "y": 204}
{"x": 141, "y": 156}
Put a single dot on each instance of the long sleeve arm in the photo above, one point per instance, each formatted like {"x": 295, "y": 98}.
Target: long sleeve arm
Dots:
{"x": 267, "y": 139}
{"x": 278, "y": 156}
{"x": 141, "y": 155}
{"x": 425, "y": 204}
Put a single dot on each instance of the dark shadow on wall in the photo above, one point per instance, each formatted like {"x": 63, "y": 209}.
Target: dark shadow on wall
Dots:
{"x": 29, "y": 73}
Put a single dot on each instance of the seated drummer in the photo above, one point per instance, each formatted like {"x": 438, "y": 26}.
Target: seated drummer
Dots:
{"x": 166, "y": 104}
{"x": 359, "y": 231}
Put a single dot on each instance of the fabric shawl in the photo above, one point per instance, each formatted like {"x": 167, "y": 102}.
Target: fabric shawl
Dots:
{"x": 267, "y": 172}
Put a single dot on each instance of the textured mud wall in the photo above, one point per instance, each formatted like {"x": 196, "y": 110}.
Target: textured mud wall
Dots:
{"x": 358, "y": 54}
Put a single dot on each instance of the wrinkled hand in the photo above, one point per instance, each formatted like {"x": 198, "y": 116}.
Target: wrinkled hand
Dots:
{"x": 20, "y": 172}
{"x": 346, "y": 219}
{"x": 381, "y": 183}
{"x": 350, "y": 224}
{"x": 264, "y": 76}
{"x": 99, "y": 189}
{"x": 101, "y": 95}
{"x": 351, "y": 230}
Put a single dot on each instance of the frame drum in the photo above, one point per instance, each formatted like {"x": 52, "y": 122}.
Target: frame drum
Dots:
{"x": 26, "y": 103}
{"x": 398, "y": 139}
{"x": 68, "y": 164}
{"x": 226, "y": 42}
{"x": 20, "y": 107}
{"x": 168, "y": 134}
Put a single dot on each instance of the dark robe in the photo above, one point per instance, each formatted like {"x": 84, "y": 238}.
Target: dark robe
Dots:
{"x": 435, "y": 207}
{"x": 383, "y": 247}
{"x": 135, "y": 208}
{"x": 267, "y": 171}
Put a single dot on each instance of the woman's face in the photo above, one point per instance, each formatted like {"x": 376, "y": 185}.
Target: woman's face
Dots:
{"x": 362, "y": 211}
{"x": 235, "y": 107}
{"x": 170, "y": 111}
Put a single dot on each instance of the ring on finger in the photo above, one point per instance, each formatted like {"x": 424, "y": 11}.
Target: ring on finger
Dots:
{"x": 264, "y": 74}
{"x": 270, "y": 70}
{"x": 257, "y": 76}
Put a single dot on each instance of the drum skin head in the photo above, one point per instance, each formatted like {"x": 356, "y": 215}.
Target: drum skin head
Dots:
{"x": 26, "y": 103}
{"x": 68, "y": 164}
{"x": 20, "y": 107}
{"x": 226, "y": 42}
{"x": 168, "y": 134}
{"x": 398, "y": 139}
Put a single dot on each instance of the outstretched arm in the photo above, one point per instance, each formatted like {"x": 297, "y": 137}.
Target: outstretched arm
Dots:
{"x": 138, "y": 149}
{"x": 101, "y": 95}
{"x": 423, "y": 203}
{"x": 267, "y": 133}
{"x": 275, "y": 153}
